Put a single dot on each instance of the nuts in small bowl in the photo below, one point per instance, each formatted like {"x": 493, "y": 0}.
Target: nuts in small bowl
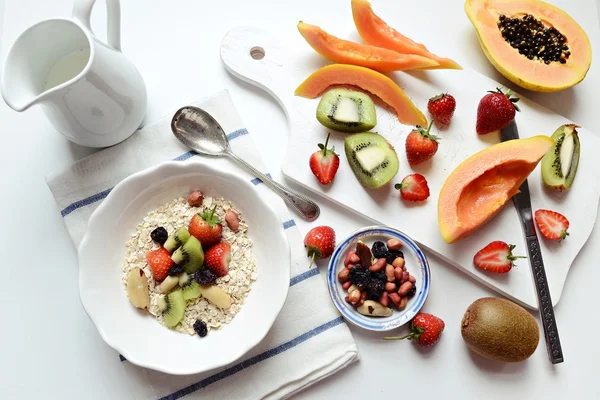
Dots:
{"x": 378, "y": 278}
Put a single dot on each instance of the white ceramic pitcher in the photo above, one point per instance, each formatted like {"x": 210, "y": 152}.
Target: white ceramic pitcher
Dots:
{"x": 89, "y": 90}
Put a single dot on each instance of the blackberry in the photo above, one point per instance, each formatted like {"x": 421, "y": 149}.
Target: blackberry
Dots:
{"x": 200, "y": 328}
{"x": 159, "y": 235}
{"x": 379, "y": 249}
{"x": 412, "y": 291}
{"x": 175, "y": 270}
{"x": 375, "y": 289}
{"x": 392, "y": 255}
{"x": 360, "y": 276}
{"x": 205, "y": 277}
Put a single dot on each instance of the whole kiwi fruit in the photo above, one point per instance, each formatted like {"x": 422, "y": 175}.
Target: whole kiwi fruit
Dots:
{"x": 500, "y": 330}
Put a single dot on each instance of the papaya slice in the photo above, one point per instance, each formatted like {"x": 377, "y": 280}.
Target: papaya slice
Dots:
{"x": 532, "y": 43}
{"x": 376, "y": 32}
{"x": 348, "y": 52}
{"x": 478, "y": 188}
{"x": 367, "y": 79}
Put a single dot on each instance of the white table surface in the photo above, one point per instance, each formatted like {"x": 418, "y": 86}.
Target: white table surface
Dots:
{"x": 50, "y": 349}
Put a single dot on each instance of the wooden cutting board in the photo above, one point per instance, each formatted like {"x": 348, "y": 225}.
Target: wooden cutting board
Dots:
{"x": 260, "y": 58}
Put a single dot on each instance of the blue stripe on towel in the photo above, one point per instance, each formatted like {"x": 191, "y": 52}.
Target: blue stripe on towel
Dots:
{"x": 254, "y": 360}
{"x": 102, "y": 195}
{"x": 289, "y": 224}
{"x": 294, "y": 281}
{"x": 256, "y": 181}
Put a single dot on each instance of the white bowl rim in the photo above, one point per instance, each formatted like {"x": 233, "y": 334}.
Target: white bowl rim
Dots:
{"x": 114, "y": 194}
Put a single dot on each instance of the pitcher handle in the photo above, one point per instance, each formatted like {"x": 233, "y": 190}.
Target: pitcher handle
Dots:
{"x": 82, "y": 11}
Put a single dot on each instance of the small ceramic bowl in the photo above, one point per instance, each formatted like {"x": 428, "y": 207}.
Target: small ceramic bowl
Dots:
{"x": 416, "y": 264}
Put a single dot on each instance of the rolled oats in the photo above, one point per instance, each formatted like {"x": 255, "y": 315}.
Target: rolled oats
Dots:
{"x": 242, "y": 267}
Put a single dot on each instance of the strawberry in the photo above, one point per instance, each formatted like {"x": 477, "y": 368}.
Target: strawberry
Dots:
{"x": 217, "y": 258}
{"x": 552, "y": 225}
{"x": 424, "y": 328}
{"x": 441, "y": 108}
{"x": 420, "y": 145}
{"x": 324, "y": 163}
{"x": 160, "y": 263}
{"x": 495, "y": 111}
{"x": 319, "y": 243}
{"x": 207, "y": 228}
{"x": 496, "y": 257}
{"x": 413, "y": 188}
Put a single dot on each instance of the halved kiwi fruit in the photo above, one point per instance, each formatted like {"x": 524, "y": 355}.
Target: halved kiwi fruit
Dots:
{"x": 172, "y": 307}
{"x": 346, "y": 111}
{"x": 190, "y": 256}
{"x": 177, "y": 239}
{"x": 372, "y": 159}
{"x": 189, "y": 286}
{"x": 560, "y": 163}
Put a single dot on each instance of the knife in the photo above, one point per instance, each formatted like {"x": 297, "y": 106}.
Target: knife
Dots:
{"x": 522, "y": 202}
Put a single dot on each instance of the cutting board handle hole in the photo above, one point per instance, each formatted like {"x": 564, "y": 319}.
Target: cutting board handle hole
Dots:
{"x": 257, "y": 52}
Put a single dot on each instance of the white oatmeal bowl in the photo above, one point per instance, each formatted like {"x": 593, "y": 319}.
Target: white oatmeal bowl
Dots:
{"x": 118, "y": 239}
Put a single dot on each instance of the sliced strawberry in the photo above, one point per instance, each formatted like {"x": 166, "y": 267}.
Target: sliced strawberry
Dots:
{"x": 324, "y": 163}
{"x": 217, "y": 258}
{"x": 413, "y": 188}
{"x": 160, "y": 263}
{"x": 207, "y": 228}
{"x": 552, "y": 225}
{"x": 496, "y": 257}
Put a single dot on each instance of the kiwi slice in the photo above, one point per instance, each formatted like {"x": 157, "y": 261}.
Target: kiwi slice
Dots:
{"x": 372, "y": 159}
{"x": 560, "y": 163}
{"x": 172, "y": 307}
{"x": 190, "y": 256}
{"x": 189, "y": 286}
{"x": 177, "y": 239}
{"x": 346, "y": 111}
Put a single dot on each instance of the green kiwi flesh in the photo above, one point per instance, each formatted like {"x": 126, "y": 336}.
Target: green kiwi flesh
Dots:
{"x": 189, "y": 286}
{"x": 346, "y": 110}
{"x": 559, "y": 165}
{"x": 174, "y": 308}
{"x": 372, "y": 159}
{"x": 177, "y": 239}
{"x": 190, "y": 256}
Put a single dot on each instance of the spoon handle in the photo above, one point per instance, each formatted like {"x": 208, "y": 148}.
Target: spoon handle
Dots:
{"x": 306, "y": 207}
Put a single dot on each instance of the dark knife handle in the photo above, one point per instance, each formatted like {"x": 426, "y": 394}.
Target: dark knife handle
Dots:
{"x": 545, "y": 302}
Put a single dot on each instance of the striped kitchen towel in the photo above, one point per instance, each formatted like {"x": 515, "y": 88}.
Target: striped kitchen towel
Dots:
{"x": 309, "y": 340}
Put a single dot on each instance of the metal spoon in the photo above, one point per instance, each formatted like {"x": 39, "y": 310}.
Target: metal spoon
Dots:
{"x": 199, "y": 131}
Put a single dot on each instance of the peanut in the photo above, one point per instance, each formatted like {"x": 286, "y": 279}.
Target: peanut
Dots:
{"x": 346, "y": 285}
{"x": 394, "y": 244}
{"x": 403, "y": 303}
{"x": 354, "y": 296}
{"x": 347, "y": 298}
{"x": 360, "y": 302}
{"x": 398, "y": 262}
{"x": 405, "y": 276}
{"x": 389, "y": 272}
{"x": 412, "y": 279}
{"x": 395, "y": 298}
{"x": 405, "y": 288}
{"x": 195, "y": 198}
{"x": 347, "y": 259}
{"x": 352, "y": 288}
{"x": 374, "y": 309}
{"x": 398, "y": 274}
{"x": 378, "y": 266}
{"x": 344, "y": 275}
{"x": 404, "y": 268}
{"x": 232, "y": 219}
{"x": 354, "y": 259}
{"x": 383, "y": 300}
{"x": 390, "y": 287}
{"x": 363, "y": 296}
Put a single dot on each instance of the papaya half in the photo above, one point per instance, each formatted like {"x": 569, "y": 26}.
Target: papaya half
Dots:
{"x": 532, "y": 43}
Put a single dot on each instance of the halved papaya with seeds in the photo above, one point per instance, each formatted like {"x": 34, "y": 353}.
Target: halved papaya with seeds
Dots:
{"x": 367, "y": 79}
{"x": 532, "y": 43}
{"x": 348, "y": 52}
{"x": 376, "y": 32}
